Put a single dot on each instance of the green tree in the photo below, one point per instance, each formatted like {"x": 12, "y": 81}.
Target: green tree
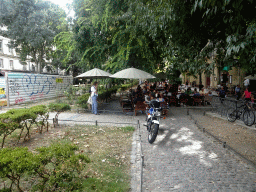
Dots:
{"x": 31, "y": 26}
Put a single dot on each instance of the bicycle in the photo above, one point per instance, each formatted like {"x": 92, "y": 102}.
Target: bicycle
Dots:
{"x": 245, "y": 111}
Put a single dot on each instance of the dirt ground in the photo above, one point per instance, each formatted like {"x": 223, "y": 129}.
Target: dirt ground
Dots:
{"x": 241, "y": 139}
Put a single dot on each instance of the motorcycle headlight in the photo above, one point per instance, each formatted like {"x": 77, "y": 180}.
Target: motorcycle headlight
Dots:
{"x": 158, "y": 113}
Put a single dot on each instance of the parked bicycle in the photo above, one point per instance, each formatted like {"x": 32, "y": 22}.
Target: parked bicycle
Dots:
{"x": 243, "y": 111}
{"x": 153, "y": 120}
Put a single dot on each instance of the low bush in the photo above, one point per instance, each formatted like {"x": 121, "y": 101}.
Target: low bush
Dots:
{"x": 23, "y": 119}
{"x": 54, "y": 168}
{"x": 82, "y": 100}
{"x": 42, "y": 116}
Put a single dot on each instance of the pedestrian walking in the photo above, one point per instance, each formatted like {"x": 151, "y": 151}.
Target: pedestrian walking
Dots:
{"x": 94, "y": 95}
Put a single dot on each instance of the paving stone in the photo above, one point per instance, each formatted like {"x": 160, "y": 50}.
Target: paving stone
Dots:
{"x": 190, "y": 161}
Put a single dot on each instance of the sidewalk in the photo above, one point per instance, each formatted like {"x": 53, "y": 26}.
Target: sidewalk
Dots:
{"x": 185, "y": 159}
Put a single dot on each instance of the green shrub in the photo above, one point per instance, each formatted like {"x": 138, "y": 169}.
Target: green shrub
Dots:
{"x": 59, "y": 107}
{"x": 39, "y": 109}
{"x": 23, "y": 117}
{"x": 14, "y": 164}
{"x": 7, "y": 128}
{"x": 54, "y": 168}
{"x": 42, "y": 112}
{"x": 82, "y": 100}
{"x": 60, "y": 167}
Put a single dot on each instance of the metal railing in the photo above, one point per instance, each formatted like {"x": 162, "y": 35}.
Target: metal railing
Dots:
{"x": 223, "y": 105}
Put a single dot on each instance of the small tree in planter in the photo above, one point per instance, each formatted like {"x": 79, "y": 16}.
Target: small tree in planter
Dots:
{"x": 59, "y": 108}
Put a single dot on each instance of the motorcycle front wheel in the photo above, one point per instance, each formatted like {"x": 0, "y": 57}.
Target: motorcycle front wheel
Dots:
{"x": 152, "y": 134}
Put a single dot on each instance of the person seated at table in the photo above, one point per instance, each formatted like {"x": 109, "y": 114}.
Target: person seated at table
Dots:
{"x": 188, "y": 91}
{"x": 152, "y": 93}
{"x": 165, "y": 85}
{"x": 138, "y": 97}
{"x": 161, "y": 97}
{"x": 182, "y": 95}
{"x": 154, "y": 86}
{"x": 151, "y": 87}
{"x": 156, "y": 94}
{"x": 202, "y": 92}
{"x": 209, "y": 93}
{"x": 138, "y": 87}
{"x": 196, "y": 94}
{"x": 145, "y": 90}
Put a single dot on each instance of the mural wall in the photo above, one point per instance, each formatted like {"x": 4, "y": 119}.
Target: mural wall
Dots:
{"x": 26, "y": 87}
{"x": 3, "y": 100}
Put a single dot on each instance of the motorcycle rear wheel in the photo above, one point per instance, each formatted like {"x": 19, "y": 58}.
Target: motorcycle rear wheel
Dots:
{"x": 152, "y": 134}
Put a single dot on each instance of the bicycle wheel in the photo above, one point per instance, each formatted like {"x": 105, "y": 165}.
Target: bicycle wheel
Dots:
{"x": 153, "y": 133}
{"x": 248, "y": 118}
{"x": 231, "y": 115}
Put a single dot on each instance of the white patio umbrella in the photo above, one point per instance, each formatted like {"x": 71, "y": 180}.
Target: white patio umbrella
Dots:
{"x": 252, "y": 77}
{"x": 94, "y": 73}
{"x": 132, "y": 73}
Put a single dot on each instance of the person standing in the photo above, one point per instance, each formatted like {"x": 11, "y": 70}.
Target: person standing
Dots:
{"x": 246, "y": 83}
{"x": 222, "y": 94}
{"x": 238, "y": 92}
{"x": 94, "y": 95}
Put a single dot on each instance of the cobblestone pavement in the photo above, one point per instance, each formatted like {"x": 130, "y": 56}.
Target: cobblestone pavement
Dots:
{"x": 185, "y": 159}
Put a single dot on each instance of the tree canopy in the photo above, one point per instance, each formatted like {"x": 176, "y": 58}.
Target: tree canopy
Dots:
{"x": 31, "y": 26}
{"x": 145, "y": 33}
{"x": 150, "y": 35}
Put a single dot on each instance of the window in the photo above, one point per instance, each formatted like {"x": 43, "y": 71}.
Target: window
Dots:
{"x": 1, "y": 46}
{"x": 24, "y": 67}
{"x": 11, "y": 64}
{"x": 1, "y": 63}
{"x": 10, "y": 50}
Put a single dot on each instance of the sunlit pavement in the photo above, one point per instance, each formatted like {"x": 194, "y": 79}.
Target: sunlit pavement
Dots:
{"x": 185, "y": 159}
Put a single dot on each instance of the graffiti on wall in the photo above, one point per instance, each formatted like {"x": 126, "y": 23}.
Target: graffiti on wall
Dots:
{"x": 37, "y": 84}
{"x": 30, "y": 87}
{"x": 2, "y": 88}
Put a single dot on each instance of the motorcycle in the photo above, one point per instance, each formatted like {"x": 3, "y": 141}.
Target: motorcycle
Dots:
{"x": 153, "y": 120}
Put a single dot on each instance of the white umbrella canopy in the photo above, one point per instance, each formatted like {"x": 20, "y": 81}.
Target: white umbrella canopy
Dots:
{"x": 95, "y": 73}
{"x": 252, "y": 77}
{"x": 132, "y": 73}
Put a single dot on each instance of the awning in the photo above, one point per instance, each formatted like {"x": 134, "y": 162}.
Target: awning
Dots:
{"x": 226, "y": 68}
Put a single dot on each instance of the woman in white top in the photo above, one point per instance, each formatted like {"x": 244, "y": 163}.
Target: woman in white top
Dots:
{"x": 94, "y": 95}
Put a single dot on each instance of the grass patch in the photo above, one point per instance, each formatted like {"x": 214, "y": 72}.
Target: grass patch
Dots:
{"x": 108, "y": 148}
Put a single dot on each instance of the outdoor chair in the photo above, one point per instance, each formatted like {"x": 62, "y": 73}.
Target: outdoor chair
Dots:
{"x": 183, "y": 101}
{"x": 172, "y": 100}
{"x": 140, "y": 105}
{"x": 165, "y": 107}
{"x": 197, "y": 101}
{"x": 207, "y": 99}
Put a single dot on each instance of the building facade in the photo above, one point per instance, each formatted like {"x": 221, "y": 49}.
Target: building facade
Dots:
{"x": 220, "y": 76}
